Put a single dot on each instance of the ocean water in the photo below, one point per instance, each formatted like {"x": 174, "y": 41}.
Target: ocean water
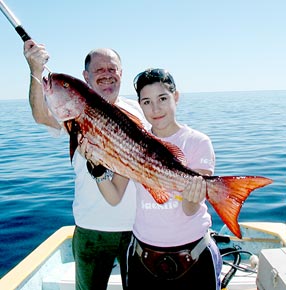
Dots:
{"x": 248, "y": 131}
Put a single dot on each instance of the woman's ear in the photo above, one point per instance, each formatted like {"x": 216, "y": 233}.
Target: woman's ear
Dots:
{"x": 176, "y": 96}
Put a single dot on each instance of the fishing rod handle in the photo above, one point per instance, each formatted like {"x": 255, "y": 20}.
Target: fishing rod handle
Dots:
{"x": 23, "y": 34}
{"x": 14, "y": 21}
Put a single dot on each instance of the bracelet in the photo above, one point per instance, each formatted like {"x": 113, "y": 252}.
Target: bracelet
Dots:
{"x": 107, "y": 175}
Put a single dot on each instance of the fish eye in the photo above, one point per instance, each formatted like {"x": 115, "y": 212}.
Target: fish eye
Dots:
{"x": 66, "y": 85}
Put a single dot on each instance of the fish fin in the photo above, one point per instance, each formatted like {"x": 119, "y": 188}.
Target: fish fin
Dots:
{"x": 132, "y": 117}
{"x": 73, "y": 130}
{"x": 228, "y": 193}
{"x": 175, "y": 150}
{"x": 160, "y": 196}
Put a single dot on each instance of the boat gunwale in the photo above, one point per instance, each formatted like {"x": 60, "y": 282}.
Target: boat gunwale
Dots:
{"x": 29, "y": 265}
{"x": 272, "y": 228}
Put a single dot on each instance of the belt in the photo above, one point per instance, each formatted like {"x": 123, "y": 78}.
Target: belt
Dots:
{"x": 171, "y": 265}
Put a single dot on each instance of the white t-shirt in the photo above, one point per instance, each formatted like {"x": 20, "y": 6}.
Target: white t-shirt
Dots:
{"x": 167, "y": 225}
{"x": 90, "y": 209}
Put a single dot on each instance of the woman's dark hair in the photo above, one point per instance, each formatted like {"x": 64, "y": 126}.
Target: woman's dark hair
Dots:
{"x": 151, "y": 76}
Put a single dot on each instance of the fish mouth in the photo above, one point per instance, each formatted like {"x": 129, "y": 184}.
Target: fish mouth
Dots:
{"x": 47, "y": 82}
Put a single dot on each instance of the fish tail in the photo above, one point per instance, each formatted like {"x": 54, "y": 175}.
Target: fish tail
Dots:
{"x": 227, "y": 195}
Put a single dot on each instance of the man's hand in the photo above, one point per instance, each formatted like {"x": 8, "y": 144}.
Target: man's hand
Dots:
{"x": 36, "y": 56}
{"x": 93, "y": 167}
{"x": 84, "y": 148}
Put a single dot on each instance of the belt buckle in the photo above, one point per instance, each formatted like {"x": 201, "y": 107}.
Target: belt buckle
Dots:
{"x": 166, "y": 267}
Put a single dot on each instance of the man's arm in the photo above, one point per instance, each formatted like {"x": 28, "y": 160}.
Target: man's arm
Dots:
{"x": 37, "y": 56}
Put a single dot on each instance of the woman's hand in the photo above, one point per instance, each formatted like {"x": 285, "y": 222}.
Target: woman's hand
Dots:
{"x": 195, "y": 191}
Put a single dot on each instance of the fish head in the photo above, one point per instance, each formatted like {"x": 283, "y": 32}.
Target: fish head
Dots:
{"x": 64, "y": 96}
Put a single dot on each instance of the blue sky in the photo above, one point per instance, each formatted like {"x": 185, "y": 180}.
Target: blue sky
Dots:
{"x": 207, "y": 45}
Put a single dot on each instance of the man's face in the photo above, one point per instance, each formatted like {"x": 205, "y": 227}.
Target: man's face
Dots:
{"x": 104, "y": 75}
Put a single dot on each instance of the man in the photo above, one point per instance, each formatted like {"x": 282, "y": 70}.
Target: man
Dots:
{"x": 102, "y": 231}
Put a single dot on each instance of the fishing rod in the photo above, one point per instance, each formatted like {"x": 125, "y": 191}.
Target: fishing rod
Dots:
{"x": 14, "y": 21}
{"x": 17, "y": 25}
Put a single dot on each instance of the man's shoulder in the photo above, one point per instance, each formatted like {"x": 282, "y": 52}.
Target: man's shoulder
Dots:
{"x": 124, "y": 100}
{"x": 130, "y": 105}
{"x": 133, "y": 107}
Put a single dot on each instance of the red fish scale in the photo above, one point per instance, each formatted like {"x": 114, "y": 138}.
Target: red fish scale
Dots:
{"x": 120, "y": 153}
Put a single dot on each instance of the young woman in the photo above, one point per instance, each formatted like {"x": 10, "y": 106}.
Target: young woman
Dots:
{"x": 171, "y": 248}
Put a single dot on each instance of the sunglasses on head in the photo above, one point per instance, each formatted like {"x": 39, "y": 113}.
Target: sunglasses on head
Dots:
{"x": 150, "y": 76}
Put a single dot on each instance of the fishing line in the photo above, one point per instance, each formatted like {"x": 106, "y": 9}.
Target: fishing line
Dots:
{"x": 39, "y": 81}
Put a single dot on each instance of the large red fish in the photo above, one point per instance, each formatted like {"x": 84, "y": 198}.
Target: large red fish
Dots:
{"x": 121, "y": 144}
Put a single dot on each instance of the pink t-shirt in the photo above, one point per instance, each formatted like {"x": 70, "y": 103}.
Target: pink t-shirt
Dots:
{"x": 167, "y": 225}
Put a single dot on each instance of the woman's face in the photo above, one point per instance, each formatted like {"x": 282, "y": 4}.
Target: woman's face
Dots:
{"x": 159, "y": 106}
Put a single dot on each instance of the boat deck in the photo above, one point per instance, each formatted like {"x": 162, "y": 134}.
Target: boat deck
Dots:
{"x": 51, "y": 265}
{"x": 64, "y": 278}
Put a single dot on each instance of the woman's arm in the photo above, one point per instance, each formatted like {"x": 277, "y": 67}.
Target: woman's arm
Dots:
{"x": 112, "y": 190}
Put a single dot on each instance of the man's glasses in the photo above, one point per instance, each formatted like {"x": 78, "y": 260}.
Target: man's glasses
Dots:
{"x": 150, "y": 76}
